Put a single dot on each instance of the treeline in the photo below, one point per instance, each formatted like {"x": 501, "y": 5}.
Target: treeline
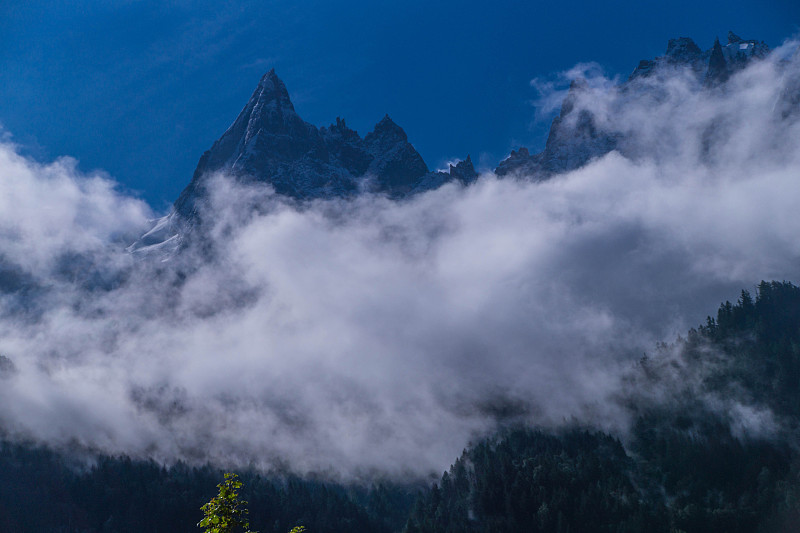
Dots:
{"x": 583, "y": 481}
{"x": 529, "y": 481}
{"x": 761, "y": 343}
{"x": 42, "y": 491}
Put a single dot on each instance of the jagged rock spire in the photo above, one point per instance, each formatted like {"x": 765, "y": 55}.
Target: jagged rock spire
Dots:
{"x": 397, "y": 165}
{"x": 387, "y": 129}
{"x": 682, "y": 50}
{"x": 718, "y": 71}
{"x": 733, "y": 38}
{"x": 272, "y": 89}
{"x": 464, "y": 171}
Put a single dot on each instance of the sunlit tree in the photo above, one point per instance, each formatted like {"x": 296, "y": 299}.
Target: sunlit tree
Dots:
{"x": 226, "y": 512}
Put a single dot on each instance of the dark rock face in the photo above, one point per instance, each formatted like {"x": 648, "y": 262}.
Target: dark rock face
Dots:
{"x": 270, "y": 143}
{"x": 519, "y": 162}
{"x": 575, "y": 137}
{"x": 345, "y": 146}
{"x": 718, "y": 62}
{"x": 396, "y": 165}
{"x": 682, "y": 50}
{"x": 574, "y": 140}
{"x": 718, "y": 71}
{"x": 645, "y": 68}
{"x": 464, "y": 171}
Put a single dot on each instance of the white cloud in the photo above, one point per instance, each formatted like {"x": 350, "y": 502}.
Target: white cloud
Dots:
{"x": 350, "y": 336}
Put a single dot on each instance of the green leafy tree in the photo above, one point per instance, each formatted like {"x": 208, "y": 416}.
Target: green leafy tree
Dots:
{"x": 226, "y": 513}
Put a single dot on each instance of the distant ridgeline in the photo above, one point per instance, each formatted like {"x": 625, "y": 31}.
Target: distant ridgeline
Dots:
{"x": 269, "y": 142}
{"x": 577, "y": 136}
{"x": 713, "y": 448}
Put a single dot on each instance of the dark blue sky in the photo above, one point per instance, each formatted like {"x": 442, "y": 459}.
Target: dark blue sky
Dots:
{"x": 140, "y": 89}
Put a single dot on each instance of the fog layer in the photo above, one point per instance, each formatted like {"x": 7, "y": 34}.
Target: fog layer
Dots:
{"x": 366, "y": 335}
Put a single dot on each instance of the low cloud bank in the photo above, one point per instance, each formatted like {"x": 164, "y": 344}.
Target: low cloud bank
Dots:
{"x": 363, "y": 336}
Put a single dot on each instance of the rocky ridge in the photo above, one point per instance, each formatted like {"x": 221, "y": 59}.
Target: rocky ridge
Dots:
{"x": 270, "y": 143}
{"x": 575, "y": 137}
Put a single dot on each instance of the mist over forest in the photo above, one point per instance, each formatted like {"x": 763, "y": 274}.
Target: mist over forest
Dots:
{"x": 363, "y": 338}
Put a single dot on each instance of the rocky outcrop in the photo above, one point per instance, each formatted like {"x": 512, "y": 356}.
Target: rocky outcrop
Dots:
{"x": 574, "y": 139}
{"x": 718, "y": 71}
{"x": 396, "y": 166}
{"x": 464, "y": 171}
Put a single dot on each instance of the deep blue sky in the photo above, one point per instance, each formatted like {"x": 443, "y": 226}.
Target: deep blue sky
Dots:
{"x": 140, "y": 89}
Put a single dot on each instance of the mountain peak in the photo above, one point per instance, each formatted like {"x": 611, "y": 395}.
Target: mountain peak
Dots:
{"x": 396, "y": 163}
{"x": 682, "y": 50}
{"x": 387, "y": 128}
{"x": 717, "y": 66}
{"x": 272, "y": 89}
{"x": 464, "y": 171}
{"x": 733, "y": 38}
{"x": 269, "y": 142}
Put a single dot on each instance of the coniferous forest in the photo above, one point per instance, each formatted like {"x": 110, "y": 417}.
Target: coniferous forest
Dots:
{"x": 711, "y": 447}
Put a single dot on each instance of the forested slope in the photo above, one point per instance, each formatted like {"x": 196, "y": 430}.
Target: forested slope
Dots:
{"x": 712, "y": 446}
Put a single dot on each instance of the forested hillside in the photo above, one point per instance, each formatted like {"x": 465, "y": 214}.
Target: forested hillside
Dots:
{"x": 712, "y": 447}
